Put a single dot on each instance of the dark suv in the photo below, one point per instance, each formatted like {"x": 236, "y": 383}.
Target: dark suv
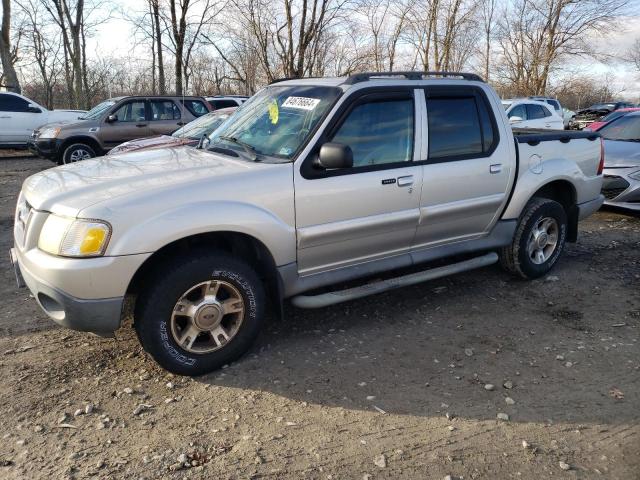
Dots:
{"x": 113, "y": 122}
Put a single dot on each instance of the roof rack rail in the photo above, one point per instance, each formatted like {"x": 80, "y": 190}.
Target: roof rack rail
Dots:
{"x": 363, "y": 77}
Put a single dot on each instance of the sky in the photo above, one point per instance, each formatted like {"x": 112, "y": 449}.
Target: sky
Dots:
{"x": 114, "y": 38}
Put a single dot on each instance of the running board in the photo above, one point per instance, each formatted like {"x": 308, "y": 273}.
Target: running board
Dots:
{"x": 331, "y": 298}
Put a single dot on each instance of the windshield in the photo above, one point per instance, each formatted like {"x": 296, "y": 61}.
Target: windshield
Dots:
{"x": 626, "y": 128}
{"x": 98, "y": 110}
{"x": 202, "y": 126}
{"x": 275, "y": 122}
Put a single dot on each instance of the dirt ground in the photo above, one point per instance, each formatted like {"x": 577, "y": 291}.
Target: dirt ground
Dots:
{"x": 393, "y": 386}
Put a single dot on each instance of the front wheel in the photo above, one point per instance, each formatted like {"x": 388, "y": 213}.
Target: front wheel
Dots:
{"x": 200, "y": 313}
{"x": 76, "y": 153}
{"x": 539, "y": 239}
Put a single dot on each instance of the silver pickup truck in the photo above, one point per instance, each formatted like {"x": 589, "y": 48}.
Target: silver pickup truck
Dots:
{"x": 310, "y": 184}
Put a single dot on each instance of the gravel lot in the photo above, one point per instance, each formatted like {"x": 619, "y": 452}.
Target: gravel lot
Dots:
{"x": 407, "y": 384}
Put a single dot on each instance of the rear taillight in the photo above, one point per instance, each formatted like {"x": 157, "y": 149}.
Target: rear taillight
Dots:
{"x": 601, "y": 165}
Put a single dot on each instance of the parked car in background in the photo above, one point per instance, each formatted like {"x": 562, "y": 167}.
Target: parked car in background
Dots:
{"x": 554, "y": 102}
{"x": 567, "y": 115}
{"x": 525, "y": 113}
{"x": 226, "y": 101}
{"x": 113, "y": 122}
{"x": 585, "y": 117}
{"x": 190, "y": 134}
{"x": 621, "y": 184}
{"x": 595, "y": 126}
{"x": 313, "y": 183}
{"x": 20, "y": 116}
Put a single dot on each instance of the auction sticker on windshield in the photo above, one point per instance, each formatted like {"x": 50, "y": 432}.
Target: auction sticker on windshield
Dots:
{"x": 303, "y": 103}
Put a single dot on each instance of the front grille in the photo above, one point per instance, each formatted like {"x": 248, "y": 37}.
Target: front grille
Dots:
{"x": 613, "y": 185}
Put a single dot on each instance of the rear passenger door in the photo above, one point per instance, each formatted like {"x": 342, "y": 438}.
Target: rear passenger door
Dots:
{"x": 166, "y": 116}
{"x": 466, "y": 166}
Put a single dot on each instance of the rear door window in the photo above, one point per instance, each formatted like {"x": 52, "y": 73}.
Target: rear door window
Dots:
{"x": 133, "y": 111}
{"x": 535, "y": 112}
{"x": 459, "y": 127}
{"x": 164, "y": 110}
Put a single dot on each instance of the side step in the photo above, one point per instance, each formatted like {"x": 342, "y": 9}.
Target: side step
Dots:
{"x": 331, "y": 298}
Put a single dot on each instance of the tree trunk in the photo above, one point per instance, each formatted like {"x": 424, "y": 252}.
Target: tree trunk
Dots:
{"x": 10, "y": 76}
{"x": 162, "y": 88}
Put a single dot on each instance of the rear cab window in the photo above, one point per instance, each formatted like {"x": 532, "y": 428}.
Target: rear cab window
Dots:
{"x": 218, "y": 104}
{"x": 461, "y": 125}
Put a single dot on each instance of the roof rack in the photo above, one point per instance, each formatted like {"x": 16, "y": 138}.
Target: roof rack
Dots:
{"x": 363, "y": 77}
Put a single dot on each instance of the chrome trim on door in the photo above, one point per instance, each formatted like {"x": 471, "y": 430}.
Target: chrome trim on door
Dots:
{"x": 464, "y": 208}
{"x": 316, "y": 235}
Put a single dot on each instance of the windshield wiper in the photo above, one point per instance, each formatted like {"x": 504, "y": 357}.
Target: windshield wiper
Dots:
{"x": 250, "y": 149}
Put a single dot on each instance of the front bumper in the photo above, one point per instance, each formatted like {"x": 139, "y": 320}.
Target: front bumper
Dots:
{"x": 47, "y": 148}
{"x": 100, "y": 316}
{"x": 620, "y": 190}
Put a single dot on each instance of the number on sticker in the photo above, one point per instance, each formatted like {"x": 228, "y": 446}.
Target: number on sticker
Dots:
{"x": 303, "y": 103}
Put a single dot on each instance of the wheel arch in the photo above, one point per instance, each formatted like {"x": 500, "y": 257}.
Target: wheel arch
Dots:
{"x": 237, "y": 244}
{"x": 87, "y": 140}
{"x": 563, "y": 192}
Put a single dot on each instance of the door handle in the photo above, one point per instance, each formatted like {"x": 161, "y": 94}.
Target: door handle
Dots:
{"x": 180, "y": 124}
{"x": 6, "y": 116}
{"x": 405, "y": 181}
{"x": 495, "y": 168}
{"x": 141, "y": 124}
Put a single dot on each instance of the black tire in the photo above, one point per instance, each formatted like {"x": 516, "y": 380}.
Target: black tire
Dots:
{"x": 156, "y": 304}
{"x": 79, "y": 150}
{"x": 515, "y": 258}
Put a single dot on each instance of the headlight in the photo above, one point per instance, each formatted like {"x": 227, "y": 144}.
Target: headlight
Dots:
{"x": 71, "y": 237}
{"x": 635, "y": 175}
{"x": 49, "y": 133}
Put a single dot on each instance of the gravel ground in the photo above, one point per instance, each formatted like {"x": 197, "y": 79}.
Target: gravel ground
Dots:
{"x": 408, "y": 384}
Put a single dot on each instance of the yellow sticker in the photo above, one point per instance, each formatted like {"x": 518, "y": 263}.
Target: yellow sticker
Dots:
{"x": 274, "y": 113}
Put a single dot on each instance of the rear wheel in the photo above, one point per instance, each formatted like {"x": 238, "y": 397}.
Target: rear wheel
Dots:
{"x": 539, "y": 239}
{"x": 200, "y": 313}
{"x": 76, "y": 153}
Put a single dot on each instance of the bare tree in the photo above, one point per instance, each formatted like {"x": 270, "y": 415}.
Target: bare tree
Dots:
{"x": 187, "y": 21}
{"x": 487, "y": 12}
{"x": 535, "y": 35}
{"x": 634, "y": 54}
{"x": 7, "y": 55}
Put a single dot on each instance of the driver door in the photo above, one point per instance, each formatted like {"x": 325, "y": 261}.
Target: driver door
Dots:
{"x": 354, "y": 215}
{"x": 130, "y": 123}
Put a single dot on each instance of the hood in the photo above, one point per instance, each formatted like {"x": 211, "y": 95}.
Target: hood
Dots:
{"x": 618, "y": 153}
{"x": 70, "y": 188}
{"x": 152, "y": 142}
{"x": 64, "y": 122}
{"x": 588, "y": 113}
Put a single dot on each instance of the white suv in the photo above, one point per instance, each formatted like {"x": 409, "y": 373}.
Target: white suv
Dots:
{"x": 20, "y": 116}
{"x": 226, "y": 101}
{"x": 527, "y": 113}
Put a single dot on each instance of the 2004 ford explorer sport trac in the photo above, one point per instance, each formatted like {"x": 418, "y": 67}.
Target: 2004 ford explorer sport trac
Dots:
{"x": 312, "y": 183}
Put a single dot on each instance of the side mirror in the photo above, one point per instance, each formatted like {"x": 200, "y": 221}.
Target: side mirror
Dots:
{"x": 112, "y": 118}
{"x": 515, "y": 119}
{"x": 31, "y": 108}
{"x": 335, "y": 155}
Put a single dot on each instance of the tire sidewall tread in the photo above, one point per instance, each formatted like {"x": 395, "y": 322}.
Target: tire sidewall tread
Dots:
{"x": 155, "y": 304}
{"x": 514, "y": 258}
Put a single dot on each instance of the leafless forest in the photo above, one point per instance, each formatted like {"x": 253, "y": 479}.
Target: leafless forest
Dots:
{"x": 237, "y": 46}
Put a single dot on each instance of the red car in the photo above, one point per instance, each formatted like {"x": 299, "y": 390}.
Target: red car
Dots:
{"x": 595, "y": 126}
{"x": 190, "y": 134}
